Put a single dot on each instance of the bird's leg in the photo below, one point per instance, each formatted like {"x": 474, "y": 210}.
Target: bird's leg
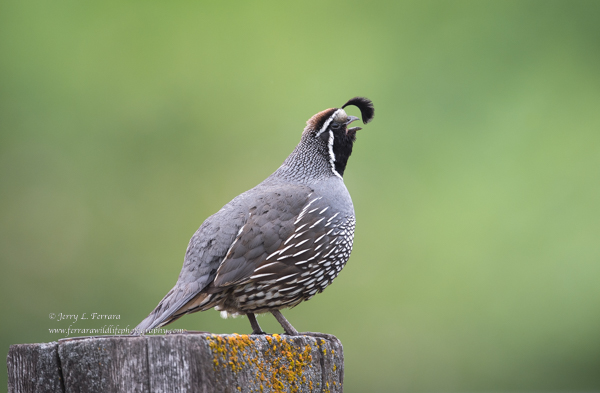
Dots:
{"x": 254, "y": 323}
{"x": 289, "y": 329}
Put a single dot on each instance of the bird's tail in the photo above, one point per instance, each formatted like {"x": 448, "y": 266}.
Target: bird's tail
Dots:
{"x": 178, "y": 302}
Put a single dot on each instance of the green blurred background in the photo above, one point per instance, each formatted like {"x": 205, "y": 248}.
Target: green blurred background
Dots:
{"x": 476, "y": 264}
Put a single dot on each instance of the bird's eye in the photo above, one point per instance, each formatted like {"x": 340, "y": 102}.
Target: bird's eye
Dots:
{"x": 335, "y": 126}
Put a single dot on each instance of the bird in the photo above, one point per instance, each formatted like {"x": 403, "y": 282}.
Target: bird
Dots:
{"x": 279, "y": 243}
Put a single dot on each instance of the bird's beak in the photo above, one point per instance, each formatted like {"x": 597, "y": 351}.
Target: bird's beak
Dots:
{"x": 350, "y": 120}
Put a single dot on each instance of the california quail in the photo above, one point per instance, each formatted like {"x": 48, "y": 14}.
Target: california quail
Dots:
{"x": 279, "y": 243}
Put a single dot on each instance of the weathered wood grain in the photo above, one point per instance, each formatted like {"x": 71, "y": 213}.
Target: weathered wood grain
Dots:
{"x": 312, "y": 362}
{"x": 34, "y": 368}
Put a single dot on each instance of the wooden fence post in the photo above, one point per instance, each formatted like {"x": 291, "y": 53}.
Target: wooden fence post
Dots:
{"x": 312, "y": 362}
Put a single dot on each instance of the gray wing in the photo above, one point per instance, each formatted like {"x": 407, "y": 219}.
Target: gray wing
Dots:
{"x": 287, "y": 234}
{"x": 271, "y": 220}
{"x": 205, "y": 251}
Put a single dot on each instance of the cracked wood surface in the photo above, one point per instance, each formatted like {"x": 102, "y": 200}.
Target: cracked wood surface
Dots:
{"x": 311, "y": 362}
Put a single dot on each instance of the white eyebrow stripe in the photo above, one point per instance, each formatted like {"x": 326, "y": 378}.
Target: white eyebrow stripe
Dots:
{"x": 328, "y": 121}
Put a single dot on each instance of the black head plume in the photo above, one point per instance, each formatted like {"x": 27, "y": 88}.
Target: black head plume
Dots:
{"x": 365, "y": 105}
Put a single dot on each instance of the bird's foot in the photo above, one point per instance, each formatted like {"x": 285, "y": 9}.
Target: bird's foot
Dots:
{"x": 292, "y": 333}
{"x": 319, "y": 335}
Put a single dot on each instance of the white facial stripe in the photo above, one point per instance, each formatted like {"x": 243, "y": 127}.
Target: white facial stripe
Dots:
{"x": 331, "y": 155}
{"x": 324, "y": 128}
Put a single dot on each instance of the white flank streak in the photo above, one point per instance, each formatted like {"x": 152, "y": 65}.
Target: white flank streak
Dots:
{"x": 300, "y": 252}
{"x": 289, "y": 238}
{"x": 301, "y": 233}
{"x": 301, "y": 215}
{"x": 287, "y": 248}
{"x": 300, "y": 227}
{"x": 323, "y": 211}
{"x": 261, "y": 275}
{"x": 332, "y": 156}
{"x": 302, "y": 242}
{"x": 287, "y": 289}
{"x": 316, "y": 223}
{"x": 230, "y": 248}
{"x": 301, "y": 262}
{"x": 314, "y": 256}
{"x": 319, "y": 246}
{"x": 235, "y": 241}
{"x": 229, "y": 251}
{"x": 328, "y": 122}
{"x": 283, "y": 257}
{"x": 264, "y": 266}
{"x": 295, "y": 292}
{"x": 306, "y": 279}
{"x": 331, "y": 230}
{"x": 275, "y": 253}
{"x": 319, "y": 238}
{"x": 284, "y": 277}
{"x": 313, "y": 210}
{"x": 332, "y": 217}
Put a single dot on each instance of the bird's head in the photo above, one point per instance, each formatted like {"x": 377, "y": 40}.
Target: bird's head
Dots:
{"x": 329, "y": 129}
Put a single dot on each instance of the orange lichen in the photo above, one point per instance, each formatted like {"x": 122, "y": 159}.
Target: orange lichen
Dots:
{"x": 280, "y": 368}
